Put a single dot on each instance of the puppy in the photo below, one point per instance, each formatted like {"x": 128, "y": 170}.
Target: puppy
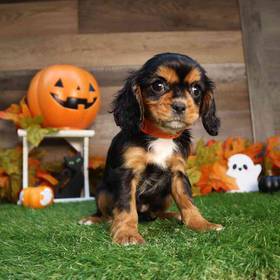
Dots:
{"x": 145, "y": 168}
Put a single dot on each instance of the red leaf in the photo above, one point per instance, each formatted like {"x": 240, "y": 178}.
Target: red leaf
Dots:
{"x": 46, "y": 176}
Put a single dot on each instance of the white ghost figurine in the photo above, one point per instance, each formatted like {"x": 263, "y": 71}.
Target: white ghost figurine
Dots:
{"x": 242, "y": 168}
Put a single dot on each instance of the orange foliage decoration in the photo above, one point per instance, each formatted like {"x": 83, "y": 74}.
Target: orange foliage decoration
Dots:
{"x": 272, "y": 156}
{"x": 207, "y": 167}
{"x": 213, "y": 177}
{"x": 18, "y": 113}
{"x": 96, "y": 162}
{"x": 21, "y": 116}
{"x": 11, "y": 172}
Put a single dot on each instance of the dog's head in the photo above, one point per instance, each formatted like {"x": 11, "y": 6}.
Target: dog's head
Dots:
{"x": 172, "y": 91}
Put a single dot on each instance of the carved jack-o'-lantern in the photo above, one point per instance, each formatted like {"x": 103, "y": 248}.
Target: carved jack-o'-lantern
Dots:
{"x": 65, "y": 95}
{"x": 36, "y": 197}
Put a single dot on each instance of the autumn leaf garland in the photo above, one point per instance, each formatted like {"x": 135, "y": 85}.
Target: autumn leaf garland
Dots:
{"x": 20, "y": 115}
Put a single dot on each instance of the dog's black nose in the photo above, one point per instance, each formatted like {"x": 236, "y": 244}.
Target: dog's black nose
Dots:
{"x": 178, "y": 107}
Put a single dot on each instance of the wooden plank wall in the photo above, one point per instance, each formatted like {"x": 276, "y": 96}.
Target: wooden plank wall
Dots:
{"x": 111, "y": 37}
{"x": 261, "y": 32}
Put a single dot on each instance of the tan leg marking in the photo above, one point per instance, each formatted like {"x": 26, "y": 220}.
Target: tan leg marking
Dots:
{"x": 124, "y": 228}
{"x": 190, "y": 214}
{"x": 104, "y": 204}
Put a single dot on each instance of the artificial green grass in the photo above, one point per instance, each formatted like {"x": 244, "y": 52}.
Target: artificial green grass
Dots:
{"x": 49, "y": 244}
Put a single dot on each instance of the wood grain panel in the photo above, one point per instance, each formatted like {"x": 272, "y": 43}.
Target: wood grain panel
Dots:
{"x": 8, "y": 137}
{"x": 38, "y": 18}
{"x": 7, "y": 97}
{"x": 233, "y": 123}
{"x": 106, "y": 76}
{"x": 260, "y": 23}
{"x": 115, "y": 76}
{"x": 101, "y": 16}
{"x": 118, "y": 49}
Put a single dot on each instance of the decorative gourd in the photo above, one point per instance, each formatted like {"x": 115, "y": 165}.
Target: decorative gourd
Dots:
{"x": 269, "y": 184}
{"x": 65, "y": 95}
{"x": 36, "y": 197}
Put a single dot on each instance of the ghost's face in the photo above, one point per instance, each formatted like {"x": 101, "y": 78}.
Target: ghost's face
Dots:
{"x": 240, "y": 165}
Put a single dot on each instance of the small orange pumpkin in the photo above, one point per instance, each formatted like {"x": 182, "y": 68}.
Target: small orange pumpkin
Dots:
{"x": 36, "y": 197}
{"x": 65, "y": 95}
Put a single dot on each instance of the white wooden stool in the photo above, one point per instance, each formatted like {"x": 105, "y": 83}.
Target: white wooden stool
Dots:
{"x": 74, "y": 138}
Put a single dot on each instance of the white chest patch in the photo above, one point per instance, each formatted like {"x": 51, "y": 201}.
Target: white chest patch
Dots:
{"x": 161, "y": 150}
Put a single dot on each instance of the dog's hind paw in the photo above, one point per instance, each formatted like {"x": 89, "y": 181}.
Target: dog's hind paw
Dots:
{"x": 216, "y": 227}
{"x": 127, "y": 238}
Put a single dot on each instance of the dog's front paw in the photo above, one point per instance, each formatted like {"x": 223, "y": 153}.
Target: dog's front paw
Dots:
{"x": 128, "y": 238}
{"x": 204, "y": 225}
{"x": 216, "y": 227}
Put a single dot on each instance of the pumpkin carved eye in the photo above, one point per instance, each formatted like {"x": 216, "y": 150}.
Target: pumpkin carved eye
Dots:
{"x": 59, "y": 83}
{"x": 91, "y": 88}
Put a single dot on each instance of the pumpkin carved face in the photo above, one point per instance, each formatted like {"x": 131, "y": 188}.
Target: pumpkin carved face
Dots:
{"x": 36, "y": 197}
{"x": 65, "y": 95}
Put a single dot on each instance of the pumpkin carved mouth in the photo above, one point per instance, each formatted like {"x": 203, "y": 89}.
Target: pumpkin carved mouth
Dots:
{"x": 73, "y": 102}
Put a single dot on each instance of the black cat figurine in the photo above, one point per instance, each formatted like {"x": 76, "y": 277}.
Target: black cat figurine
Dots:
{"x": 71, "y": 179}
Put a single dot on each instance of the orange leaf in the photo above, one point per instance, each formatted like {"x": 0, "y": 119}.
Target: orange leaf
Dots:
{"x": 25, "y": 112}
{"x": 210, "y": 142}
{"x": 214, "y": 178}
{"x": 205, "y": 190}
{"x": 9, "y": 116}
{"x": 14, "y": 109}
{"x": 273, "y": 150}
{"x": 233, "y": 146}
{"x": 46, "y": 176}
{"x": 96, "y": 162}
{"x": 254, "y": 151}
{"x": 33, "y": 162}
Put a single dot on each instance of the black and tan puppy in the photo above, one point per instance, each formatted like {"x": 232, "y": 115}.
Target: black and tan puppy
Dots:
{"x": 145, "y": 168}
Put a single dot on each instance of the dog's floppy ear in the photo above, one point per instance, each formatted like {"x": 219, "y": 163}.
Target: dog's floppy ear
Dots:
{"x": 209, "y": 119}
{"x": 128, "y": 106}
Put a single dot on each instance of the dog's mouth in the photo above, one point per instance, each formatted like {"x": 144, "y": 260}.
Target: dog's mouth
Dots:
{"x": 175, "y": 124}
{"x": 73, "y": 102}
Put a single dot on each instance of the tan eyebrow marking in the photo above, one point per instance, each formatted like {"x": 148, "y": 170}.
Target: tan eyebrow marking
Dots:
{"x": 193, "y": 76}
{"x": 168, "y": 74}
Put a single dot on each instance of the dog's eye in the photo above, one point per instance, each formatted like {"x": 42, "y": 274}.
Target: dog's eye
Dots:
{"x": 159, "y": 86}
{"x": 245, "y": 166}
{"x": 195, "y": 90}
{"x": 234, "y": 166}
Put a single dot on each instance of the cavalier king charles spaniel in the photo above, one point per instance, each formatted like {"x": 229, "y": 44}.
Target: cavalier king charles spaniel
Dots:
{"x": 145, "y": 167}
